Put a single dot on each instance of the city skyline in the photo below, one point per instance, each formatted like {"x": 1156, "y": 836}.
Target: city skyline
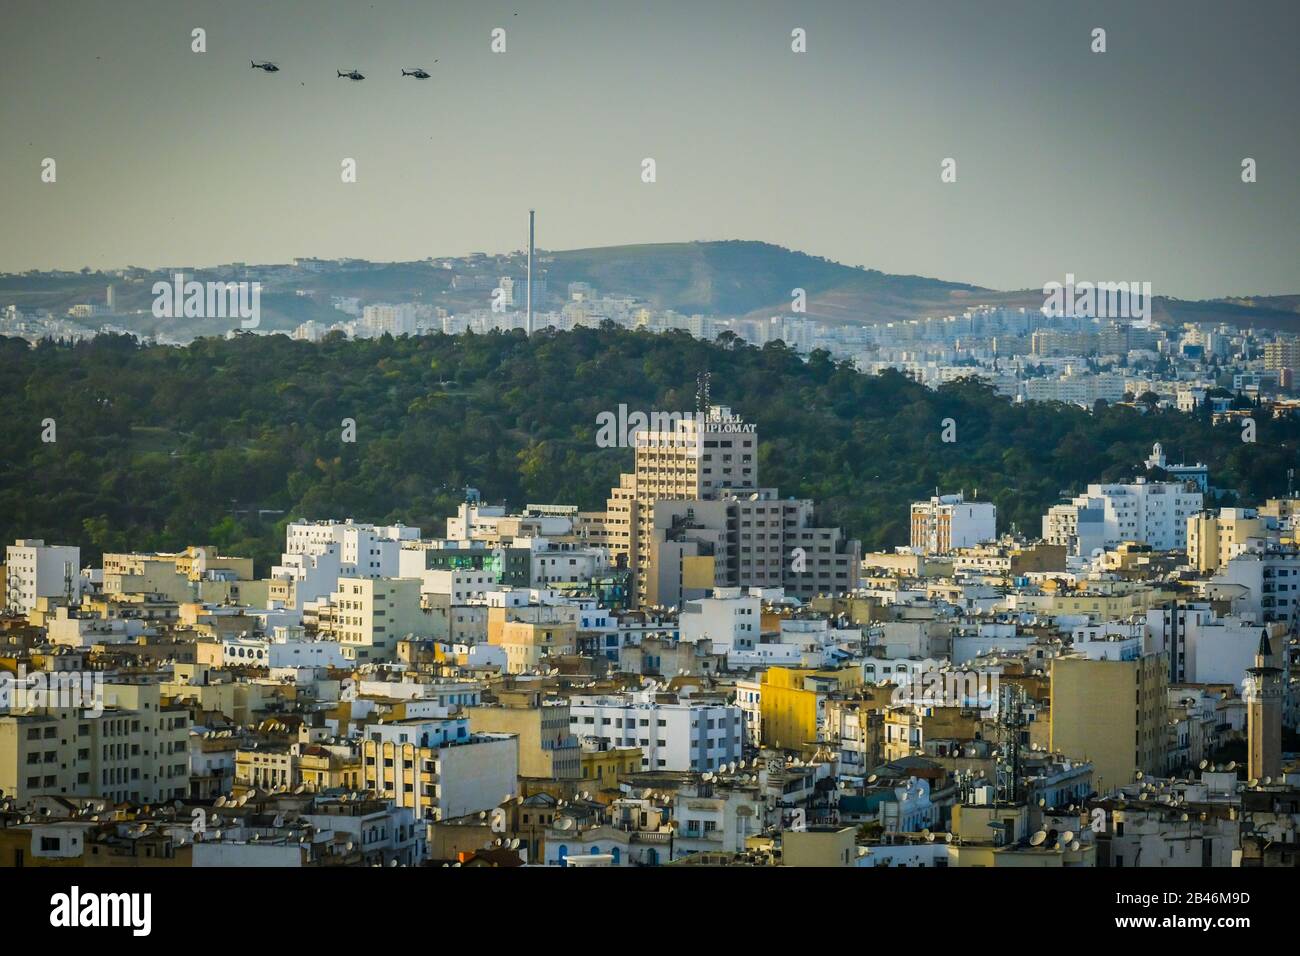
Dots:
{"x": 681, "y": 441}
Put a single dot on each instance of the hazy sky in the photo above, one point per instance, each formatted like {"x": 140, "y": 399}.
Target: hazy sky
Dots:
{"x": 1117, "y": 166}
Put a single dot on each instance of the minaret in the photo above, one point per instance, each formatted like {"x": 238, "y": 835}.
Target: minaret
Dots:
{"x": 528, "y": 294}
{"x": 1264, "y": 714}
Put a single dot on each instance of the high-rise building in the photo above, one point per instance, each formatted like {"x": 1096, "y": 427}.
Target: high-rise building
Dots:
{"x": 681, "y": 457}
{"x": 507, "y": 287}
{"x": 692, "y": 516}
{"x": 1282, "y": 353}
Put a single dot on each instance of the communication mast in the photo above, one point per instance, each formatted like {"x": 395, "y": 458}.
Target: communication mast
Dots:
{"x": 1011, "y": 726}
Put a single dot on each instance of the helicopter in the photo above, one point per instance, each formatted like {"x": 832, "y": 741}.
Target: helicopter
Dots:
{"x": 418, "y": 73}
{"x": 268, "y": 66}
{"x": 351, "y": 74}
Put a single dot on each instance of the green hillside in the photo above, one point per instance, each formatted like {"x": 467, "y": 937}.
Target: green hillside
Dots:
{"x": 163, "y": 447}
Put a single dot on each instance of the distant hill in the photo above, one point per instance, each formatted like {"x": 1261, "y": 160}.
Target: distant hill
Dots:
{"x": 728, "y": 278}
{"x": 755, "y": 279}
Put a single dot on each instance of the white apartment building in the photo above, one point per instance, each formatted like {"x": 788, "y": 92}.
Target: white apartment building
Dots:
{"x": 365, "y": 550}
{"x": 1266, "y": 585}
{"x": 383, "y": 318}
{"x": 800, "y": 642}
{"x": 672, "y": 736}
{"x": 1152, "y": 512}
{"x": 1076, "y": 388}
{"x": 1202, "y": 647}
{"x": 305, "y": 654}
{"x": 480, "y": 522}
{"x": 749, "y": 698}
{"x": 947, "y": 522}
{"x": 717, "y": 818}
{"x": 458, "y": 585}
{"x": 443, "y": 695}
{"x": 554, "y": 563}
{"x": 35, "y": 570}
{"x": 369, "y": 616}
{"x": 318, "y": 553}
{"x": 731, "y": 618}
{"x": 438, "y": 768}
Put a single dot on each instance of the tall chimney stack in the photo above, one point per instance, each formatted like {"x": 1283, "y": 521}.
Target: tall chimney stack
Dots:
{"x": 528, "y": 293}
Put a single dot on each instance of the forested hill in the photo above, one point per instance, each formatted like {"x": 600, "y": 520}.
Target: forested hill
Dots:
{"x": 160, "y": 447}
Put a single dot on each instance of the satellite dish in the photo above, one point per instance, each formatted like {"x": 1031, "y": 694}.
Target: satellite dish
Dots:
{"x": 1067, "y": 836}
{"x": 1074, "y": 845}
{"x": 1204, "y": 764}
{"x": 1038, "y": 838}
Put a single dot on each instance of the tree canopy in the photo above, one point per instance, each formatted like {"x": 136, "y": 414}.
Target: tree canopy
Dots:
{"x": 223, "y": 441}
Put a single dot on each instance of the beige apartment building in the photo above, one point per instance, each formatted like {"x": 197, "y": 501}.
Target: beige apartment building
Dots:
{"x": 368, "y": 616}
{"x": 1113, "y": 713}
{"x": 1215, "y": 539}
{"x": 136, "y": 749}
{"x": 548, "y": 748}
{"x": 530, "y": 634}
{"x": 691, "y": 516}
